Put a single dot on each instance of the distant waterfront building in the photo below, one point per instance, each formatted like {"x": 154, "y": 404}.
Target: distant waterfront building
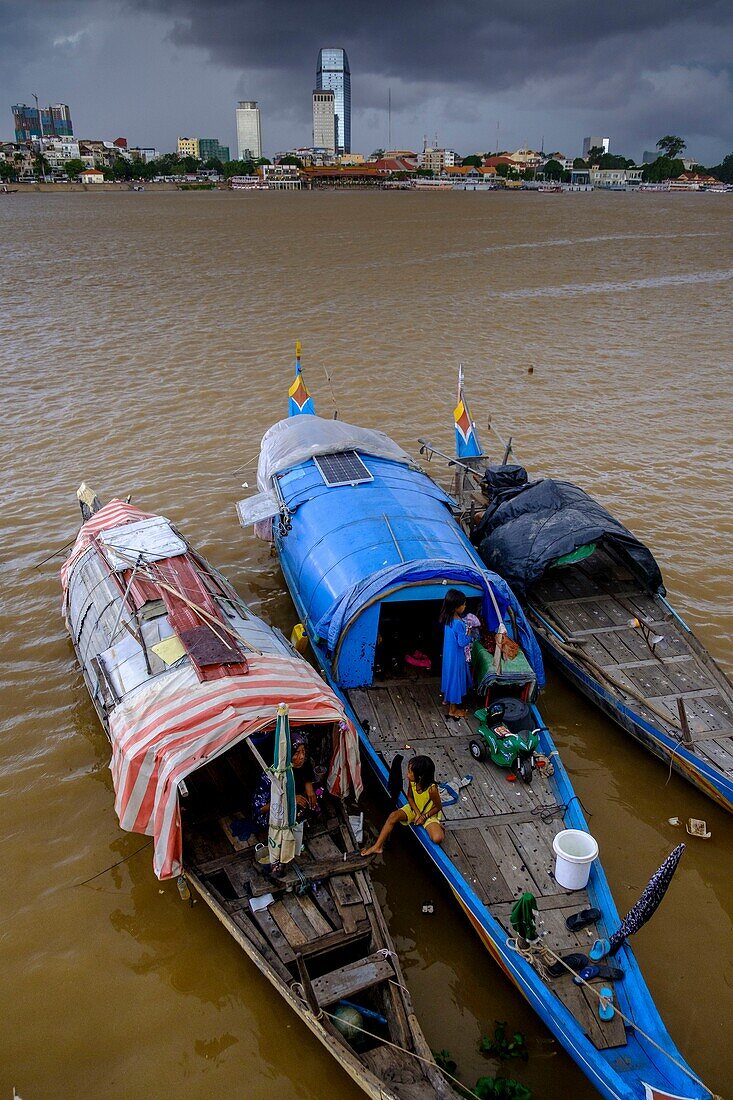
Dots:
{"x": 281, "y": 177}
{"x": 435, "y": 160}
{"x": 188, "y": 147}
{"x": 210, "y": 149}
{"x": 31, "y": 124}
{"x": 594, "y": 142}
{"x": 333, "y": 72}
{"x": 249, "y": 130}
{"x": 58, "y": 151}
{"x": 324, "y": 120}
{"x": 618, "y": 179}
{"x": 92, "y": 175}
{"x": 144, "y": 155}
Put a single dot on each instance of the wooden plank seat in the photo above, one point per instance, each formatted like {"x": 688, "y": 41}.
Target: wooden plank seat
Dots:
{"x": 353, "y": 978}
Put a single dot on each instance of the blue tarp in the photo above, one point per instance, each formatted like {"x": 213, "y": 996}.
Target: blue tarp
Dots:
{"x": 333, "y": 621}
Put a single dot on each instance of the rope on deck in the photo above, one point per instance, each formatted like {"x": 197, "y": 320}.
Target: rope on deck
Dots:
{"x": 538, "y": 956}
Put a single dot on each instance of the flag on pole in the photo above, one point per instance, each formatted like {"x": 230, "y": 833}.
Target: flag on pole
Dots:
{"x": 300, "y": 401}
{"x": 467, "y": 444}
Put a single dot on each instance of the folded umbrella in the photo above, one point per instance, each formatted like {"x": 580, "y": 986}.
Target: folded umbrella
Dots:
{"x": 647, "y": 904}
{"x": 281, "y": 832}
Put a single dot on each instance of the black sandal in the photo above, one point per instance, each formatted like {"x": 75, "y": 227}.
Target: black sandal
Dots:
{"x": 583, "y": 919}
{"x": 575, "y": 961}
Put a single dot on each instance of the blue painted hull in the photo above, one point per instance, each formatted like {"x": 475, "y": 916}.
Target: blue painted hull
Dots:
{"x": 711, "y": 781}
{"x": 618, "y": 1074}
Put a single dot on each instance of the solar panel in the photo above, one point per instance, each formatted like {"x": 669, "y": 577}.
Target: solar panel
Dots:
{"x": 342, "y": 468}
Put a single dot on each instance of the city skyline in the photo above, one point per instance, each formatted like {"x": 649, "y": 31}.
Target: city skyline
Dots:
{"x": 556, "y": 76}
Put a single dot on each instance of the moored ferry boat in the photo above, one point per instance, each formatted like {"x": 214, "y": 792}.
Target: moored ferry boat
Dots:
{"x": 369, "y": 545}
{"x": 196, "y": 695}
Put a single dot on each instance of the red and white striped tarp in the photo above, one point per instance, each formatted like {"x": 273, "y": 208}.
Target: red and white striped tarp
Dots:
{"x": 175, "y": 725}
{"x": 167, "y": 728}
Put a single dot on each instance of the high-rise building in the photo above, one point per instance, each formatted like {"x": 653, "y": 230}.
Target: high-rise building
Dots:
{"x": 210, "y": 149}
{"x": 333, "y": 72}
{"x": 593, "y": 142}
{"x": 32, "y": 123}
{"x": 324, "y": 119}
{"x": 249, "y": 131}
{"x": 188, "y": 147}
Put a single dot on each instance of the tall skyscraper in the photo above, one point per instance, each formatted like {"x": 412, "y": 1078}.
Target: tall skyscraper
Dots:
{"x": 333, "y": 72}
{"x": 249, "y": 132}
{"x": 31, "y": 123}
{"x": 324, "y": 119}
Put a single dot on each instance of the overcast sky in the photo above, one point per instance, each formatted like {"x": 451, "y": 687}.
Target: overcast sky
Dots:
{"x": 556, "y": 70}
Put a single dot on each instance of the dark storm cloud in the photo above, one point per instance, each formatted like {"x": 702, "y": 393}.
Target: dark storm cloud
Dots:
{"x": 461, "y": 42}
{"x": 562, "y": 69}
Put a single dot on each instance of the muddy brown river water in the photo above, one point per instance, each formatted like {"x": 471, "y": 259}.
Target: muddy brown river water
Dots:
{"x": 145, "y": 346}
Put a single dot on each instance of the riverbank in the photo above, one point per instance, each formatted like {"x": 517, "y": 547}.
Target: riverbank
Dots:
{"x": 101, "y": 188}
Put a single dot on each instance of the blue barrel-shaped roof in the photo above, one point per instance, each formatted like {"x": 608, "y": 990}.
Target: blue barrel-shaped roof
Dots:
{"x": 349, "y": 545}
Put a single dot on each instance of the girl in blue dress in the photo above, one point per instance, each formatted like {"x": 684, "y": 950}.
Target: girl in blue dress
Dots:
{"x": 456, "y": 674}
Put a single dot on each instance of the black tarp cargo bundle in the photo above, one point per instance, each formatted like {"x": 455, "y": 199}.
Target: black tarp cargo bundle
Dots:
{"x": 529, "y": 525}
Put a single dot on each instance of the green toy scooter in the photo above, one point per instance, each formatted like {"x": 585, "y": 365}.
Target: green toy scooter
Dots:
{"x": 505, "y": 738}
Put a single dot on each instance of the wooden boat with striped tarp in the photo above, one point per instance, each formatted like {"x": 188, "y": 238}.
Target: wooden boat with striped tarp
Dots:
{"x": 187, "y": 683}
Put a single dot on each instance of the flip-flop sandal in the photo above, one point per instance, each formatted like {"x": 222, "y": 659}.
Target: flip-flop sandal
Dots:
{"x": 583, "y": 919}
{"x": 575, "y": 961}
{"x": 599, "y": 950}
{"x": 606, "y": 1010}
{"x": 608, "y": 973}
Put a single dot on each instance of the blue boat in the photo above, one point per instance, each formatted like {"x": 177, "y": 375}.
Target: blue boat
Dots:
{"x": 594, "y": 595}
{"x": 369, "y": 545}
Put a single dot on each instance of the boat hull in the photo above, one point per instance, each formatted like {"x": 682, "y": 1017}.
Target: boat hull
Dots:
{"x": 666, "y": 748}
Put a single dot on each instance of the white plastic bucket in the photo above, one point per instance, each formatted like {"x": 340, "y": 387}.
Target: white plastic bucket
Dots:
{"x": 574, "y": 852}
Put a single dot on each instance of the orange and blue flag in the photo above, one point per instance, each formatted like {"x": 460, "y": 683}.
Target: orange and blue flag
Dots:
{"x": 300, "y": 401}
{"x": 467, "y": 444}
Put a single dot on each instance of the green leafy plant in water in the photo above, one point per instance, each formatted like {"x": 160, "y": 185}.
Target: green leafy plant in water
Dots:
{"x": 444, "y": 1061}
{"x": 502, "y": 1047}
{"x": 501, "y": 1088}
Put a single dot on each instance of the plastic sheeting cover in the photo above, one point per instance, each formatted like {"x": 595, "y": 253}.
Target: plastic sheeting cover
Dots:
{"x": 298, "y": 438}
{"x": 524, "y": 532}
{"x": 147, "y": 540}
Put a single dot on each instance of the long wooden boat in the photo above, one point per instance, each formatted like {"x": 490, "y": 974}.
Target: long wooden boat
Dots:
{"x": 187, "y": 682}
{"x": 595, "y": 597}
{"x": 368, "y": 545}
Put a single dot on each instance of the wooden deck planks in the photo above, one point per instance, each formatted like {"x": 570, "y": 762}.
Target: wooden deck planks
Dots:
{"x": 495, "y": 835}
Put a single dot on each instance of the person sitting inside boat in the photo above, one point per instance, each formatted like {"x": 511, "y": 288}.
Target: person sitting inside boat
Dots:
{"x": 457, "y": 637}
{"x": 305, "y": 793}
{"x": 423, "y": 805}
